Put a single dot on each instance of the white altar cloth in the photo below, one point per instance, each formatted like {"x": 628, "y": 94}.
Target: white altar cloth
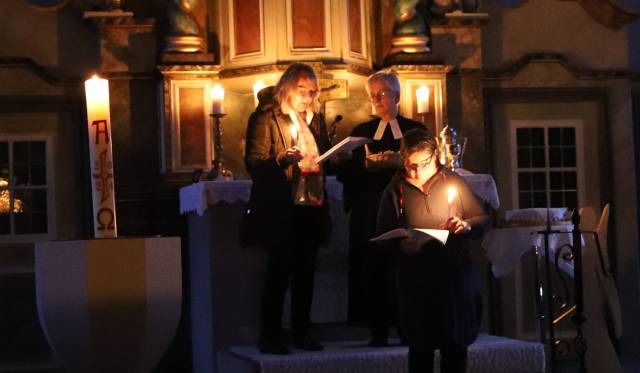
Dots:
{"x": 197, "y": 197}
{"x": 505, "y": 246}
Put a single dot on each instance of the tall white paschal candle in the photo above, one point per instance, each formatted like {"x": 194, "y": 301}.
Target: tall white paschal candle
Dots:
{"x": 217, "y": 98}
{"x": 101, "y": 158}
{"x": 422, "y": 96}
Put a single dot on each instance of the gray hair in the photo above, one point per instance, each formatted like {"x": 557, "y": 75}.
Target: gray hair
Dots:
{"x": 387, "y": 76}
{"x": 288, "y": 82}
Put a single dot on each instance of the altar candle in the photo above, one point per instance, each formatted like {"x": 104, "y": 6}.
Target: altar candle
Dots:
{"x": 451, "y": 194}
{"x": 217, "y": 98}
{"x": 422, "y": 96}
{"x": 256, "y": 88}
{"x": 101, "y": 158}
{"x": 294, "y": 134}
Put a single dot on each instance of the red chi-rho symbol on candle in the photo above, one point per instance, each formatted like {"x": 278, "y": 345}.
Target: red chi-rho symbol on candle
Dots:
{"x": 104, "y": 176}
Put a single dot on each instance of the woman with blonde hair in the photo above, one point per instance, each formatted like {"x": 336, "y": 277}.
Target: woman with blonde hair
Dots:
{"x": 284, "y": 136}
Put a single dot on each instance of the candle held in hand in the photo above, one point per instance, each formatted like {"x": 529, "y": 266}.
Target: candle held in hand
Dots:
{"x": 294, "y": 134}
{"x": 451, "y": 195}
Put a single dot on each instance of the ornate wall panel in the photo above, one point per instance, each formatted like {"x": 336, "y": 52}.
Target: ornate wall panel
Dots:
{"x": 308, "y": 24}
{"x": 247, "y": 25}
{"x": 354, "y": 10}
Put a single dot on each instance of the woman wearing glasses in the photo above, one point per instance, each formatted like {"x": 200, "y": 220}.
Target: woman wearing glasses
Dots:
{"x": 365, "y": 175}
{"x": 439, "y": 302}
{"x": 284, "y": 136}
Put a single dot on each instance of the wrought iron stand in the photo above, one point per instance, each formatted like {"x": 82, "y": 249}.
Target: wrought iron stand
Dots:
{"x": 546, "y": 296}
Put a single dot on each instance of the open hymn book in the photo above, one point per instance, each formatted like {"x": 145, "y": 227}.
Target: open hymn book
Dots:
{"x": 348, "y": 144}
{"x": 421, "y": 235}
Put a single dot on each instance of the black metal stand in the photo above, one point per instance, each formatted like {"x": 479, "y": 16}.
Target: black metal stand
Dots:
{"x": 217, "y": 168}
{"x": 548, "y": 319}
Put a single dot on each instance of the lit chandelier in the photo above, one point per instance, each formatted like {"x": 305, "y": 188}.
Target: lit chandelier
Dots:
{"x": 5, "y": 199}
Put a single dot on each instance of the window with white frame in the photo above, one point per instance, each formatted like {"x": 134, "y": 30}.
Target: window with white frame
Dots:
{"x": 547, "y": 163}
{"x": 24, "y": 192}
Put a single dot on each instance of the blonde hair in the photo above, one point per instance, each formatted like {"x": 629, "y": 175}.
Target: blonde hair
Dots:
{"x": 289, "y": 81}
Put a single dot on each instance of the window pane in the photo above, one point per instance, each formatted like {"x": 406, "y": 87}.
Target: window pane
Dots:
{"x": 570, "y": 180}
{"x": 5, "y": 227}
{"x": 537, "y": 136}
{"x": 555, "y": 157}
{"x": 569, "y": 155}
{"x": 525, "y": 200}
{"x": 39, "y": 200}
{"x": 21, "y": 152}
{"x": 4, "y": 153}
{"x": 555, "y": 180}
{"x": 570, "y": 200}
{"x": 539, "y": 181}
{"x": 38, "y": 174}
{"x": 524, "y": 181}
{"x": 540, "y": 199}
{"x": 524, "y": 160}
{"x": 556, "y": 199}
{"x": 23, "y": 208}
{"x": 5, "y": 221}
{"x": 522, "y": 136}
{"x": 555, "y": 136}
{"x": 20, "y": 174}
{"x": 37, "y": 150}
{"x": 39, "y": 223}
{"x": 537, "y": 157}
{"x": 569, "y": 136}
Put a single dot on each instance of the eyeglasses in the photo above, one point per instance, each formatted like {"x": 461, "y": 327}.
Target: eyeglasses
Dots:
{"x": 306, "y": 92}
{"x": 379, "y": 96}
{"x": 423, "y": 164}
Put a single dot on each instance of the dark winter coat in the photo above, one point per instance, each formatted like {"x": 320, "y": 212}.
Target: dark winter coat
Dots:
{"x": 271, "y": 200}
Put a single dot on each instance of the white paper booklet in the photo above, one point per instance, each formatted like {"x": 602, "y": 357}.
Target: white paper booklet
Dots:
{"x": 420, "y": 234}
{"x": 348, "y": 144}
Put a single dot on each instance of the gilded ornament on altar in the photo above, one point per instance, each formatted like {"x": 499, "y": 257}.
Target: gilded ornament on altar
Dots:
{"x": 409, "y": 29}
{"x": 184, "y": 36}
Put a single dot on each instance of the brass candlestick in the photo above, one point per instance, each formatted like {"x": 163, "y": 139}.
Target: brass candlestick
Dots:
{"x": 217, "y": 168}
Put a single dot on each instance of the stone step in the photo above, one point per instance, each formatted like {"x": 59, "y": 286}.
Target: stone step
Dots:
{"x": 488, "y": 354}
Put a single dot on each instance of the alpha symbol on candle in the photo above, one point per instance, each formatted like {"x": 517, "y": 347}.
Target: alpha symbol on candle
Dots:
{"x": 104, "y": 176}
{"x": 101, "y": 127}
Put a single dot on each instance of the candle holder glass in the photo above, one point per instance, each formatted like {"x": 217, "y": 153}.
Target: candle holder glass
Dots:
{"x": 217, "y": 166}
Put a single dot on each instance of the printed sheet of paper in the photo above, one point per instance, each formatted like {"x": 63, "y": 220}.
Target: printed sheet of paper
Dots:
{"x": 348, "y": 144}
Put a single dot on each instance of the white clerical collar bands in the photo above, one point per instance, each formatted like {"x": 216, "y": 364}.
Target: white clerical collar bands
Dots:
{"x": 395, "y": 129}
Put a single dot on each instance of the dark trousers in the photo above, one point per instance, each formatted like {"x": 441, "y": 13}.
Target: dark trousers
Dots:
{"x": 293, "y": 263}
{"x": 453, "y": 359}
{"x": 381, "y": 294}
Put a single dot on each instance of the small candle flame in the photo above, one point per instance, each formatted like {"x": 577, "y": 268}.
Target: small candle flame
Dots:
{"x": 451, "y": 194}
{"x": 294, "y": 132}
